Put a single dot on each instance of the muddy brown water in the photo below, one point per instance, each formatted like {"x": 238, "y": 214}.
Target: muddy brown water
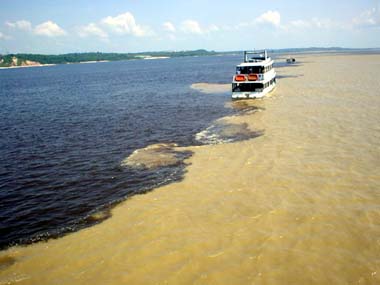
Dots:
{"x": 299, "y": 204}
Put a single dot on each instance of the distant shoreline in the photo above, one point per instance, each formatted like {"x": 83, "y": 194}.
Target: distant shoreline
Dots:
{"x": 39, "y": 60}
{"x": 92, "y": 61}
{"x": 92, "y": 57}
{"x": 80, "y": 62}
{"x": 26, "y": 66}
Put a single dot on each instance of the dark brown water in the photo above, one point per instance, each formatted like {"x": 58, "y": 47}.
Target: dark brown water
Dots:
{"x": 65, "y": 129}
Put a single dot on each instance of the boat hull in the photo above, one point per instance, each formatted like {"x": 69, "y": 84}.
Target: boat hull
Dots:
{"x": 253, "y": 95}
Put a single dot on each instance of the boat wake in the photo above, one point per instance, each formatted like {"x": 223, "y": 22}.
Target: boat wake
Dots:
{"x": 211, "y": 88}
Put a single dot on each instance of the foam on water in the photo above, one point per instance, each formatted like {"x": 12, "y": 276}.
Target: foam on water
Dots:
{"x": 222, "y": 132}
{"x": 156, "y": 155}
{"x": 212, "y": 88}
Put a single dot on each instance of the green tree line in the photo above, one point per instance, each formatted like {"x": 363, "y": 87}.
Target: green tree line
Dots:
{"x": 94, "y": 56}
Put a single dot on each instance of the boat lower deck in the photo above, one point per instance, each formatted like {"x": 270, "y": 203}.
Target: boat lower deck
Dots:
{"x": 246, "y": 93}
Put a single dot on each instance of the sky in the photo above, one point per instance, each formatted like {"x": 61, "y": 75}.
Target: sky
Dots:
{"x": 54, "y": 27}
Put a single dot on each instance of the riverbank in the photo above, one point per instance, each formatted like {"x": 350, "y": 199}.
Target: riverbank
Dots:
{"x": 17, "y": 59}
{"x": 27, "y": 66}
{"x": 297, "y": 205}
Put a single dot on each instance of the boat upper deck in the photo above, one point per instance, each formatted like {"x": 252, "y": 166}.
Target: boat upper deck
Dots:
{"x": 266, "y": 62}
{"x": 257, "y": 67}
{"x": 256, "y": 58}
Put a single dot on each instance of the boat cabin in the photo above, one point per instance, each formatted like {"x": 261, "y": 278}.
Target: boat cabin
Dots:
{"x": 255, "y": 76}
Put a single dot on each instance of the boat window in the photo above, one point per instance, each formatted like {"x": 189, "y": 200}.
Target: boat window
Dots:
{"x": 268, "y": 68}
{"x": 247, "y": 87}
{"x": 249, "y": 69}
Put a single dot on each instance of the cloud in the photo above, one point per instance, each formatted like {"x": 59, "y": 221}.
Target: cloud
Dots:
{"x": 369, "y": 18}
{"x": 168, "y": 26}
{"x": 213, "y": 28}
{"x": 324, "y": 23}
{"x": 172, "y": 37}
{"x": 193, "y": 27}
{"x": 49, "y": 29}
{"x": 92, "y": 30}
{"x": 314, "y": 23}
{"x": 300, "y": 24}
{"x": 269, "y": 17}
{"x": 21, "y": 25}
{"x": 4, "y": 37}
{"x": 126, "y": 24}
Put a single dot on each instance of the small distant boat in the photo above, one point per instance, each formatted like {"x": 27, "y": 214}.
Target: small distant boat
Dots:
{"x": 290, "y": 60}
{"x": 255, "y": 77}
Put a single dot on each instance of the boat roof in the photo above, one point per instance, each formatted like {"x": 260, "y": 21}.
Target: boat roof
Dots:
{"x": 255, "y": 55}
{"x": 257, "y": 63}
{"x": 256, "y": 58}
